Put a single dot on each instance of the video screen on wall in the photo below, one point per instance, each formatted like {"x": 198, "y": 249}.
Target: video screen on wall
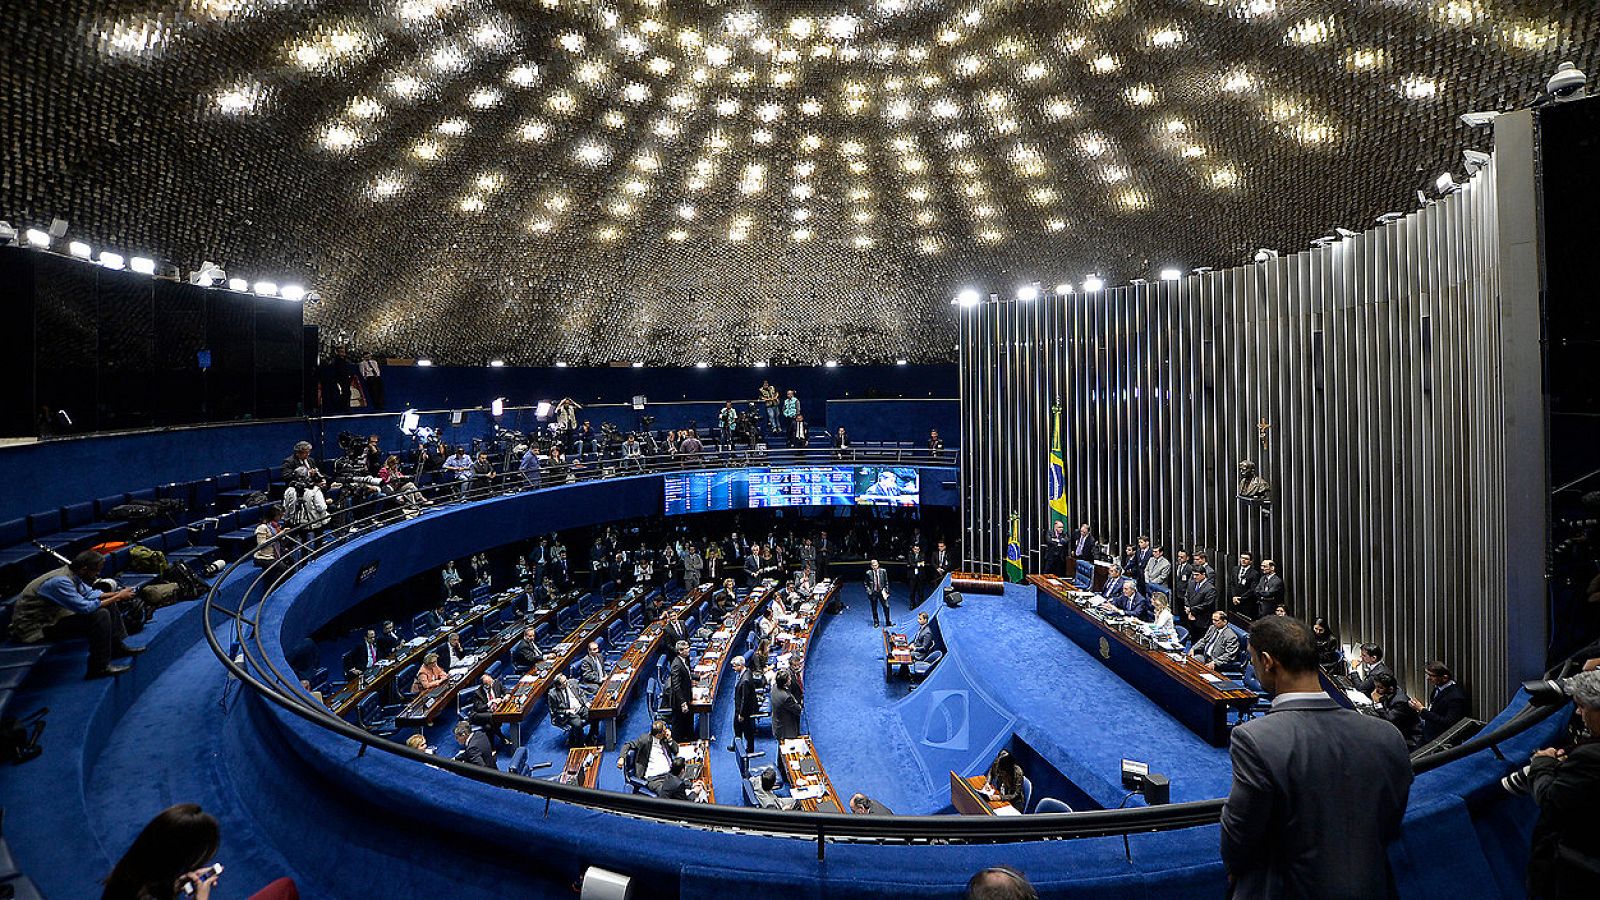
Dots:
{"x": 887, "y": 486}
{"x": 783, "y": 486}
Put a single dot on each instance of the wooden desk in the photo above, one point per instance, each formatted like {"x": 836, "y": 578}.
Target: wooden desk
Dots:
{"x": 701, "y": 751}
{"x": 427, "y": 706}
{"x": 583, "y": 766}
{"x": 794, "y": 754}
{"x": 967, "y": 797}
{"x": 896, "y": 652}
{"x": 977, "y": 583}
{"x": 794, "y": 638}
{"x": 618, "y": 686}
{"x": 346, "y": 698}
{"x": 514, "y": 707}
{"x": 713, "y": 660}
{"x": 1180, "y": 686}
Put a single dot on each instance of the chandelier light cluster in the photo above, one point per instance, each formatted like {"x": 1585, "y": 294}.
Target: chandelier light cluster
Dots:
{"x": 598, "y": 180}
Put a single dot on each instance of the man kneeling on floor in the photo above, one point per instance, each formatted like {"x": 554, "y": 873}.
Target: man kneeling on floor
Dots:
{"x": 65, "y": 603}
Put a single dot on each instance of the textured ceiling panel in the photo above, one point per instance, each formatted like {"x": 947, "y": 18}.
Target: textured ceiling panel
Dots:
{"x": 540, "y": 180}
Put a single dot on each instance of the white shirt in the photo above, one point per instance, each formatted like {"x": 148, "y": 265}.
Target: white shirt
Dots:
{"x": 1163, "y": 624}
{"x": 1298, "y": 695}
{"x": 660, "y": 763}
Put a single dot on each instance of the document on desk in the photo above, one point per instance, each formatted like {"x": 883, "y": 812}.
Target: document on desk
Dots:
{"x": 1007, "y": 810}
{"x": 808, "y": 793}
{"x": 1213, "y": 678}
{"x": 794, "y": 745}
{"x": 621, "y": 676}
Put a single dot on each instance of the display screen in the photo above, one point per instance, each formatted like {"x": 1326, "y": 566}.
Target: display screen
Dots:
{"x": 694, "y": 492}
{"x": 887, "y": 486}
{"x": 802, "y": 486}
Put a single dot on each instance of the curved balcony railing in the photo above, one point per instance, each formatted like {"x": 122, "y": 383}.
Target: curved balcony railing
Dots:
{"x": 235, "y": 638}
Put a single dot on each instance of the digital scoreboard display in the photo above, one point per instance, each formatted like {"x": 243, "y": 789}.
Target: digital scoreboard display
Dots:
{"x": 802, "y": 486}
{"x": 694, "y": 492}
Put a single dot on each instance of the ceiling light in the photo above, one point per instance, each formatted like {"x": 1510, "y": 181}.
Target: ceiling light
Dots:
{"x": 1445, "y": 184}
{"x": 968, "y": 297}
{"x": 901, "y": 362}
{"x": 637, "y": 365}
{"x": 702, "y": 365}
{"x": 1265, "y": 254}
{"x": 1171, "y": 274}
{"x": 1027, "y": 292}
{"x": 143, "y": 265}
{"x": 1063, "y": 289}
{"x": 1475, "y": 160}
{"x": 1390, "y": 217}
{"x": 80, "y": 250}
{"x": 561, "y": 364}
{"x": 1479, "y": 119}
{"x": 424, "y": 363}
{"x": 266, "y": 288}
{"x": 294, "y": 293}
{"x": 238, "y": 285}
{"x": 497, "y": 364}
{"x": 1093, "y": 284}
{"x": 37, "y": 238}
{"x": 110, "y": 260}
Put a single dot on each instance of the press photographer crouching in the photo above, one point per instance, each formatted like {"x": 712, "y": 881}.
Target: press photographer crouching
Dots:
{"x": 1565, "y": 782}
{"x": 67, "y": 602}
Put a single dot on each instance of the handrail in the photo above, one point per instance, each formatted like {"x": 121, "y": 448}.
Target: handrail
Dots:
{"x": 252, "y": 666}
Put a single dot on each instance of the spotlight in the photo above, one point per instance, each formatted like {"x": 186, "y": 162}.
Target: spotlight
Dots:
{"x": 37, "y": 238}
{"x": 699, "y": 365}
{"x": 238, "y": 284}
{"x": 1445, "y": 184}
{"x": 294, "y": 293}
{"x": 640, "y": 365}
{"x": 1324, "y": 241}
{"x": 144, "y": 265}
{"x": 1566, "y": 84}
{"x": 425, "y": 362}
{"x": 831, "y": 364}
{"x": 1344, "y": 233}
{"x": 901, "y": 362}
{"x": 1265, "y": 254}
{"x": 58, "y": 227}
{"x": 1479, "y": 119}
{"x": 561, "y": 364}
{"x": 497, "y": 364}
{"x": 80, "y": 250}
{"x": 110, "y": 260}
{"x": 1390, "y": 218}
{"x": 498, "y": 407}
{"x": 760, "y": 364}
{"x": 409, "y": 420}
{"x": 1138, "y": 281}
{"x": 266, "y": 288}
{"x": 1475, "y": 160}
{"x": 1200, "y": 270}
{"x": 8, "y": 234}
{"x": 313, "y": 298}
{"x": 1422, "y": 198}
{"x": 208, "y": 275}
{"x": 1027, "y": 292}
{"x": 1170, "y": 274}
{"x": 968, "y": 297}
{"x": 1093, "y": 284}
{"x": 1063, "y": 289}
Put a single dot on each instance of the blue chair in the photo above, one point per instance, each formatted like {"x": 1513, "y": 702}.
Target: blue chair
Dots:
{"x": 614, "y": 634}
{"x": 370, "y": 715}
{"x": 1051, "y": 805}
{"x": 1027, "y": 793}
{"x": 1182, "y": 633}
{"x": 464, "y": 698}
{"x": 420, "y": 624}
{"x": 749, "y": 791}
{"x": 519, "y": 762}
{"x": 921, "y": 668}
{"x": 319, "y": 678}
{"x": 541, "y": 632}
{"x": 404, "y": 678}
{"x": 104, "y": 505}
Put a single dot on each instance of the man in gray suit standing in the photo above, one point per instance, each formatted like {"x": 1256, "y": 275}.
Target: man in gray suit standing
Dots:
{"x": 1308, "y": 770}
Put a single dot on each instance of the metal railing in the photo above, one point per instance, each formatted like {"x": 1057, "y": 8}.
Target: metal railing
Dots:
{"x": 244, "y": 655}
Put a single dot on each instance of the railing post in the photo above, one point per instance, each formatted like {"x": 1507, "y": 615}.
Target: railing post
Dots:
{"x": 821, "y": 842}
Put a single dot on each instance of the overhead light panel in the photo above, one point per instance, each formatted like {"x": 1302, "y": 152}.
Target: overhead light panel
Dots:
{"x": 238, "y": 284}
{"x": 1171, "y": 274}
{"x": 294, "y": 292}
{"x": 1027, "y": 292}
{"x": 144, "y": 265}
{"x": 497, "y": 364}
{"x": 266, "y": 288}
{"x": 968, "y": 297}
{"x": 80, "y": 250}
{"x": 110, "y": 260}
{"x": 1093, "y": 284}
{"x": 37, "y": 238}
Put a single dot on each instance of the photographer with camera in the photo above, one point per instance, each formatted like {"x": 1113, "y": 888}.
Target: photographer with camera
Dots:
{"x": 1565, "y": 782}
{"x": 69, "y": 602}
{"x": 355, "y": 485}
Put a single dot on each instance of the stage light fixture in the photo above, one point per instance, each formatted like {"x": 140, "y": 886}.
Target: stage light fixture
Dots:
{"x": 208, "y": 275}
{"x": 37, "y": 238}
{"x": 1265, "y": 254}
{"x": 110, "y": 260}
{"x": 760, "y": 364}
{"x": 968, "y": 297}
{"x": 8, "y": 234}
{"x": 1063, "y": 289}
{"x": 497, "y": 408}
{"x": 1093, "y": 284}
{"x": 1445, "y": 184}
{"x": 1027, "y": 292}
{"x": 1324, "y": 241}
{"x": 425, "y": 363}
{"x": 266, "y": 288}
{"x": 702, "y": 365}
{"x": 1344, "y": 233}
{"x": 313, "y": 298}
{"x": 1171, "y": 274}
{"x": 636, "y": 365}
{"x": 1479, "y": 119}
{"x": 497, "y": 364}
{"x": 1474, "y": 160}
{"x": 238, "y": 284}
{"x": 1200, "y": 270}
{"x": 1390, "y": 217}
{"x": 542, "y": 411}
{"x": 80, "y": 250}
{"x": 144, "y": 265}
{"x": 1566, "y": 84}
{"x": 831, "y": 364}
{"x": 902, "y": 362}
{"x": 409, "y": 421}
{"x": 561, "y": 364}
{"x": 294, "y": 293}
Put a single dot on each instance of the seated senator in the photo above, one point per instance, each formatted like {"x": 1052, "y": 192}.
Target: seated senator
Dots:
{"x": 1219, "y": 647}
{"x": 765, "y": 787}
{"x": 430, "y": 676}
{"x": 1131, "y": 603}
{"x": 923, "y": 642}
{"x": 653, "y": 754}
{"x": 1162, "y": 628}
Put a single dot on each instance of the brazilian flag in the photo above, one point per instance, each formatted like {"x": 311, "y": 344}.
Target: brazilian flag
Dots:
{"x": 1058, "y": 476}
{"x": 1014, "y": 550}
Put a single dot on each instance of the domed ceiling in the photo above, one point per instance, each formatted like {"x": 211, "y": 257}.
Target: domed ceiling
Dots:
{"x": 542, "y": 180}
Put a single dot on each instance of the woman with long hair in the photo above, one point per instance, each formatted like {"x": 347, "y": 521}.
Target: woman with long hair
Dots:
{"x": 174, "y": 850}
{"x": 1005, "y": 780}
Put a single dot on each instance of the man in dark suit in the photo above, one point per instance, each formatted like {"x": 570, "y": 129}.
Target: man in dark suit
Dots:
{"x": 1393, "y": 706}
{"x": 745, "y": 707}
{"x": 1242, "y": 591}
{"x": 653, "y": 754}
{"x": 592, "y": 670}
{"x": 725, "y": 598}
{"x": 1057, "y": 547}
{"x": 526, "y": 654}
{"x": 475, "y": 747}
{"x": 1114, "y": 581}
{"x": 941, "y": 562}
{"x": 862, "y": 805}
{"x": 1307, "y": 770}
{"x": 1132, "y": 603}
{"x": 1447, "y": 702}
{"x": 916, "y": 574}
{"x": 1368, "y": 665}
{"x": 388, "y": 640}
{"x": 923, "y": 642}
{"x": 1182, "y": 582}
{"x": 680, "y": 681}
{"x": 481, "y": 713}
{"x": 825, "y": 551}
{"x": 569, "y": 707}
{"x": 1269, "y": 589}
{"x": 673, "y": 633}
{"x": 1140, "y": 558}
{"x": 674, "y": 786}
{"x": 1201, "y": 601}
{"x": 877, "y": 582}
{"x": 786, "y": 709}
{"x": 1220, "y": 646}
{"x": 752, "y": 569}
{"x": 1083, "y": 543}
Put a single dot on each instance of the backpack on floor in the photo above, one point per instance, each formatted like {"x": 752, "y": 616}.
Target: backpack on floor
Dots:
{"x": 157, "y": 594}
{"x": 143, "y": 559}
{"x": 190, "y": 586}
